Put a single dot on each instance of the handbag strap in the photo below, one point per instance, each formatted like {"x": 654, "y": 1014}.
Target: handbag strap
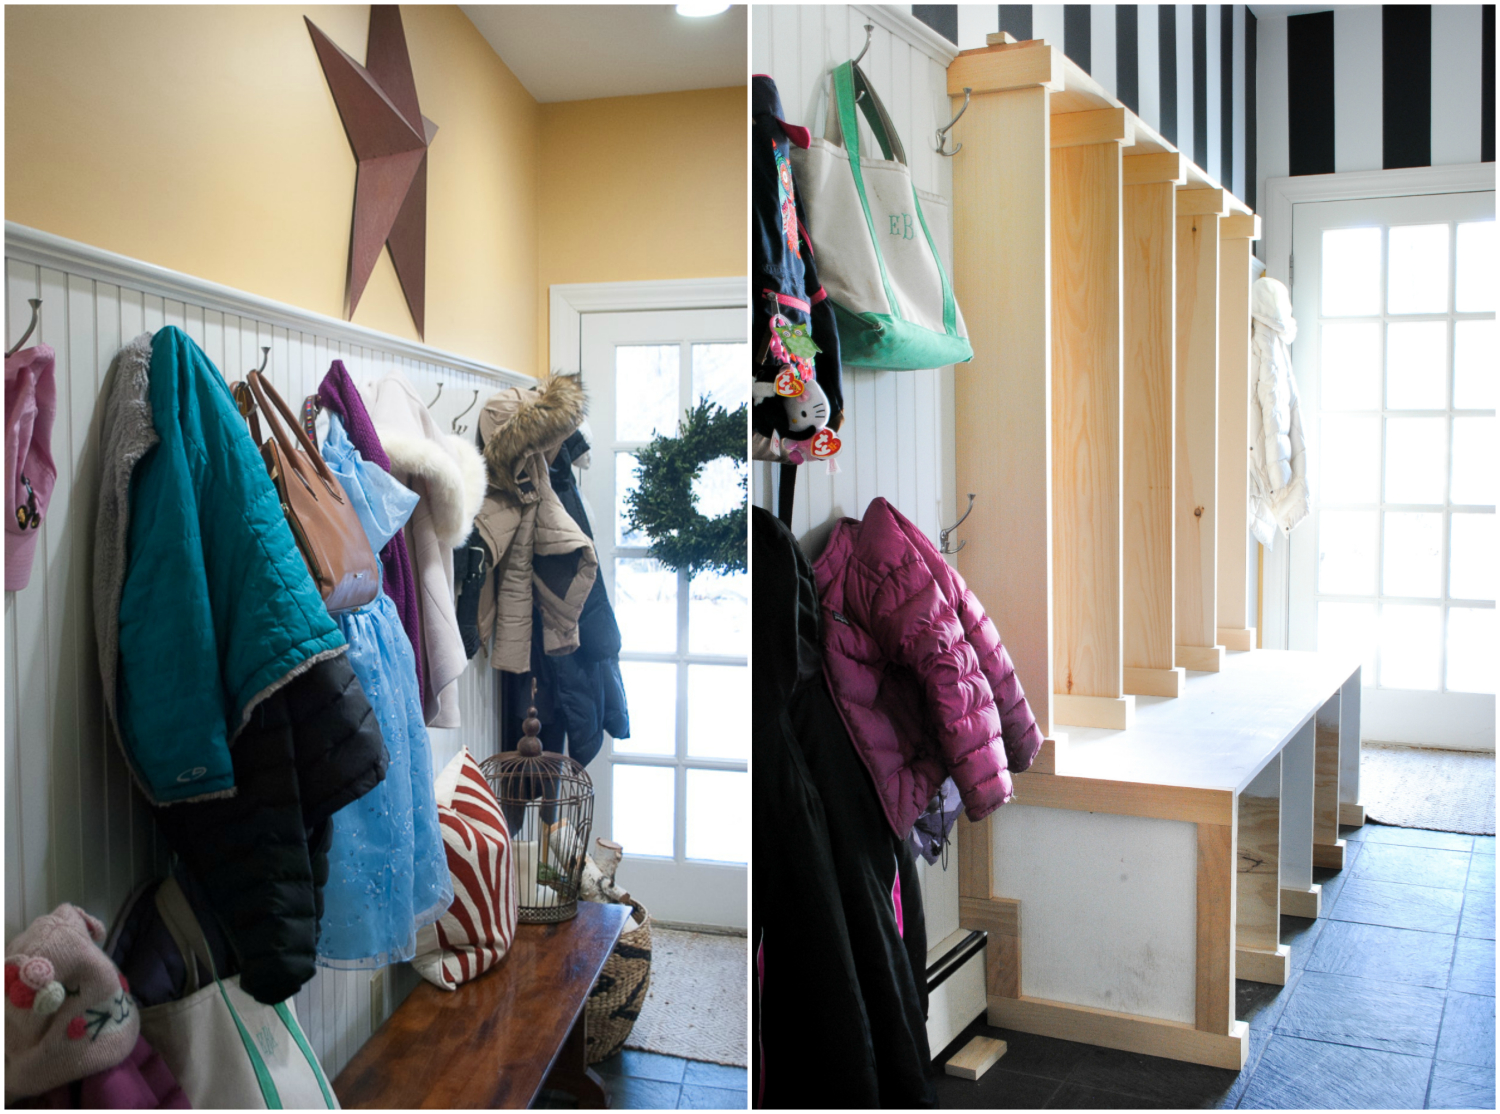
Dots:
{"x": 837, "y": 124}
{"x": 786, "y": 493}
{"x": 266, "y": 395}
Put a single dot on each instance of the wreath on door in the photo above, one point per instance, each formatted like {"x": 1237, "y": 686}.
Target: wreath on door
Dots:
{"x": 664, "y": 506}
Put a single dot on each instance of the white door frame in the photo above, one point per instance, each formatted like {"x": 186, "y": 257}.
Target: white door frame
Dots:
{"x": 1281, "y": 195}
{"x": 569, "y": 301}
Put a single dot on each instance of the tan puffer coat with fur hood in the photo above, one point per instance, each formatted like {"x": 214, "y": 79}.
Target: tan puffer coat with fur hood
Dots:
{"x": 447, "y": 472}
{"x": 539, "y": 552}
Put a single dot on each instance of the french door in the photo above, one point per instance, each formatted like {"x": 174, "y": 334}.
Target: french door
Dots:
{"x": 1396, "y": 360}
{"x": 676, "y": 793}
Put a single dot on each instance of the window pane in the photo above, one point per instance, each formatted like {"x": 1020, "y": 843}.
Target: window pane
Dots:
{"x": 1472, "y": 558}
{"x": 627, "y": 478}
{"x": 1474, "y": 363}
{"x": 1349, "y": 628}
{"x": 646, "y": 605}
{"x": 1351, "y": 272}
{"x": 1351, "y": 365}
{"x": 720, "y": 486}
{"x": 1346, "y": 558}
{"x": 651, "y": 692}
{"x": 1414, "y": 460}
{"x": 1474, "y": 460}
{"x": 1476, "y": 267}
{"x": 718, "y": 711}
{"x": 644, "y": 807}
{"x": 1416, "y": 365}
{"x": 719, "y": 614}
{"x": 1419, "y": 269}
{"x": 719, "y": 374}
{"x": 1413, "y": 554}
{"x": 1349, "y": 459}
{"x": 1409, "y": 646}
{"x": 645, "y": 390}
{"x": 718, "y": 816}
{"x": 1471, "y": 649}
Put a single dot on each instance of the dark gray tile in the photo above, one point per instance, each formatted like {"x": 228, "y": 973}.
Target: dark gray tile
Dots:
{"x": 1468, "y": 1031}
{"x": 1302, "y": 934}
{"x": 1259, "y": 1038}
{"x": 1484, "y": 845}
{"x": 997, "y": 1089}
{"x": 1355, "y": 835}
{"x": 1332, "y": 881}
{"x": 1261, "y": 1003}
{"x": 1423, "y": 866}
{"x": 1295, "y": 1074}
{"x": 1460, "y": 1087}
{"x": 1417, "y": 837}
{"x": 1479, "y": 915}
{"x": 1473, "y": 966}
{"x": 1387, "y": 1016}
{"x": 1389, "y": 954}
{"x": 1397, "y": 905}
{"x": 644, "y": 1065}
{"x": 715, "y": 1075}
{"x": 1165, "y": 1083}
{"x": 1030, "y": 1054}
{"x": 696, "y": 1097}
{"x": 627, "y": 1093}
{"x": 1481, "y": 873}
{"x": 1070, "y": 1096}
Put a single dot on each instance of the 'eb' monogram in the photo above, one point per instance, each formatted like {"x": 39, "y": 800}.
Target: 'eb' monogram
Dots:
{"x": 901, "y": 225}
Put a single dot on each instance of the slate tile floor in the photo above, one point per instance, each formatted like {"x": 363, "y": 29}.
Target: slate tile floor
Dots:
{"x": 1390, "y": 1005}
{"x": 649, "y": 1081}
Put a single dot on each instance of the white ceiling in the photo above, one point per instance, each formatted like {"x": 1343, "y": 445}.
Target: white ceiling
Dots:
{"x": 572, "y": 52}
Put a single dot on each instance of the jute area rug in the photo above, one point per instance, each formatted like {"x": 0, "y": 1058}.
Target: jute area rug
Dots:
{"x": 1418, "y": 787}
{"x": 696, "y": 1007}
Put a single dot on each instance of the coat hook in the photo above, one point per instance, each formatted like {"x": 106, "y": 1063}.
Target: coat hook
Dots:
{"x": 265, "y": 358}
{"x": 437, "y": 396}
{"x": 36, "y": 315}
{"x": 942, "y": 134}
{"x": 464, "y": 429}
{"x": 869, "y": 35}
{"x": 943, "y": 535}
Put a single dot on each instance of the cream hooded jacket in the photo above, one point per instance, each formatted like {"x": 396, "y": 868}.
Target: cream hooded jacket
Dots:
{"x": 540, "y": 553}
{"x": 448, "y": 474}
{"x": 1279, "y": 495}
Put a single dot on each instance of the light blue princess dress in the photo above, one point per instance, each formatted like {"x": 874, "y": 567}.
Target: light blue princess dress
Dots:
{"x": 387, "y": 868}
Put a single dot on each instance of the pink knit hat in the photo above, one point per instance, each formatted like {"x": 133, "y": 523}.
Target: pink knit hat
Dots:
{"x": 30, "y": 407}
{"x": 68, "y": 1010}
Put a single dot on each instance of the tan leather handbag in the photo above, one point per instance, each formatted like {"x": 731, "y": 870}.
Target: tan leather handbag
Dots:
{"x": 328, "y": 531}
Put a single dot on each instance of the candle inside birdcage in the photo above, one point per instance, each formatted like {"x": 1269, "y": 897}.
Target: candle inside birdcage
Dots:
{"x": 548, "y": 801}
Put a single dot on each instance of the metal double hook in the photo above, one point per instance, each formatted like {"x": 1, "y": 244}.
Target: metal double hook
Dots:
{"x": 461, "y": 429}
{"x": 36, "y": 315}
{"x": 869, "y": 37}
{"x": 943, "y": 535}
{"x": 942, "y": 133}
{"x": 265, "y": 358}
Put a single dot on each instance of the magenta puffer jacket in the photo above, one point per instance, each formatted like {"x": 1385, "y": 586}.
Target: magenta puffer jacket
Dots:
{"x": 917, "y": 670}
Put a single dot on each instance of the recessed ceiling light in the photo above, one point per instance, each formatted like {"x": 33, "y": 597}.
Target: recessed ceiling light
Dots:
{"x": 699, "y": 8}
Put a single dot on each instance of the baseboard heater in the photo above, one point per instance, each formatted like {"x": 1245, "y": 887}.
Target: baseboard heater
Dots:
{"x": 955, "y": 987}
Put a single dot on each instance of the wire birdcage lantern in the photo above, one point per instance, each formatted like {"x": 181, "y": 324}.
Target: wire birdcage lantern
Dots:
{"x": 548, "y": 802}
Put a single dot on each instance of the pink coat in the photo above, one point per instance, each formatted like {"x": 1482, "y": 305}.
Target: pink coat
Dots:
{"x": 917, "y": 670}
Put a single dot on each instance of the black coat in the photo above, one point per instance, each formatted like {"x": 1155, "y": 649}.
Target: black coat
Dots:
{"x": 580, "y": 695}
{"x": 261, "y": 856}
{"x": 831, "y": 958}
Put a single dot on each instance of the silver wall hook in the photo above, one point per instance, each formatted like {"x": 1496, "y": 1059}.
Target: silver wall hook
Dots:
{"x": 437, "y": 396}
{"x": 943, "y": 535}
{"x": 265, "y": 358}
{"x": 869, "y": 35}
{"x": 36, "y": 315}
{"x": 942, "y": 133}
{"x": 463, "y": 428}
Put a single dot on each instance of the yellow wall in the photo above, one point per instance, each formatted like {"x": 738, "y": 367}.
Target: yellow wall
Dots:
{"x": 204, "y": 139}
{"x": 653, "y": 187}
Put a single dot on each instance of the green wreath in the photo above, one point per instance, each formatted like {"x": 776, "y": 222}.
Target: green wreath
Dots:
{"x": 682, "y": 538}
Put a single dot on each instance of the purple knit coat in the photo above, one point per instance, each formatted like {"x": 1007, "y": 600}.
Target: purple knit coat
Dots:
{"x": 339, "y": 394}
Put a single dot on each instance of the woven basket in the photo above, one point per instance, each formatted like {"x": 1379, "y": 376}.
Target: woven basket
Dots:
{"x": 620, "y": 992}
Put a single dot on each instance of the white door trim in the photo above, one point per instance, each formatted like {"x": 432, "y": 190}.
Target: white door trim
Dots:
{"x": 569, "y": 301}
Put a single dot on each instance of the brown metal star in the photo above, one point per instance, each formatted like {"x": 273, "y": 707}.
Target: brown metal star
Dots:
{"x": 378, "y": 104}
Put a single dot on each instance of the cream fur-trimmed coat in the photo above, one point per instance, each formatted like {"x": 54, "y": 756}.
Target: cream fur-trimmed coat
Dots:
{"x": 1279, "y": 495}
{"x": 447, "y": 472}
{"x": 540, "y": 553}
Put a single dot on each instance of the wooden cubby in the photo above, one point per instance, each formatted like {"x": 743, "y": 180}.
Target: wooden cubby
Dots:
{"x": 1104, "y": 425}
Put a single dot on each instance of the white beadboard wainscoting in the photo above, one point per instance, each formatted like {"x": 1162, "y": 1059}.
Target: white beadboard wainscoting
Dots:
{"x": 898, "y": 430}
{"x": 75, "y": 828}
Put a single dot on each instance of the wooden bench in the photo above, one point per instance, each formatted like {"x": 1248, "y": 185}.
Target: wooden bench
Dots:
{"x": 494, "y": 1042}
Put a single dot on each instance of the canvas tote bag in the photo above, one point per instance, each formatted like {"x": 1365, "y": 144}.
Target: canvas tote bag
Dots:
{"x": 227, "y": 1050}
{"x": 891, "y": 296}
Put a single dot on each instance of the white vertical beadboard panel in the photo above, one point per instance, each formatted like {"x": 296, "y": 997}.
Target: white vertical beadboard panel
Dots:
{"x": 1457, "y": 43}
{"x": 1184, "y": 15}
{"x": 1271, "y": 153}
{"x": 1238, "y": 185}
{"x": 76, "y": 830}
{"x": 1215, "y": 88}
{"x": 760, "y": 39}
{"x": 1047, "y": 23}
{"x": 1358, "y": 124}
{"x": 1148, "y": 66}
{"x": 1102, "y": 46}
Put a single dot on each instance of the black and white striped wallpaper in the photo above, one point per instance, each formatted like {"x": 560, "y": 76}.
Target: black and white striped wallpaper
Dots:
{"x": 1266, "y": 91}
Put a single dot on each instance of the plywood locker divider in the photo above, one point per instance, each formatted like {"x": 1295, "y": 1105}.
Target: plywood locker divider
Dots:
{"x": 1237, "y": 233}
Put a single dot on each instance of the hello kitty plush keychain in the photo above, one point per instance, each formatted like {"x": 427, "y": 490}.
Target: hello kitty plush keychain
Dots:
{"x": 796, "y": 383}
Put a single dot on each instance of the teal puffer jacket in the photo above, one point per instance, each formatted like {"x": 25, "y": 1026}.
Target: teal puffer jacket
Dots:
{"x": 218, "y": 610}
